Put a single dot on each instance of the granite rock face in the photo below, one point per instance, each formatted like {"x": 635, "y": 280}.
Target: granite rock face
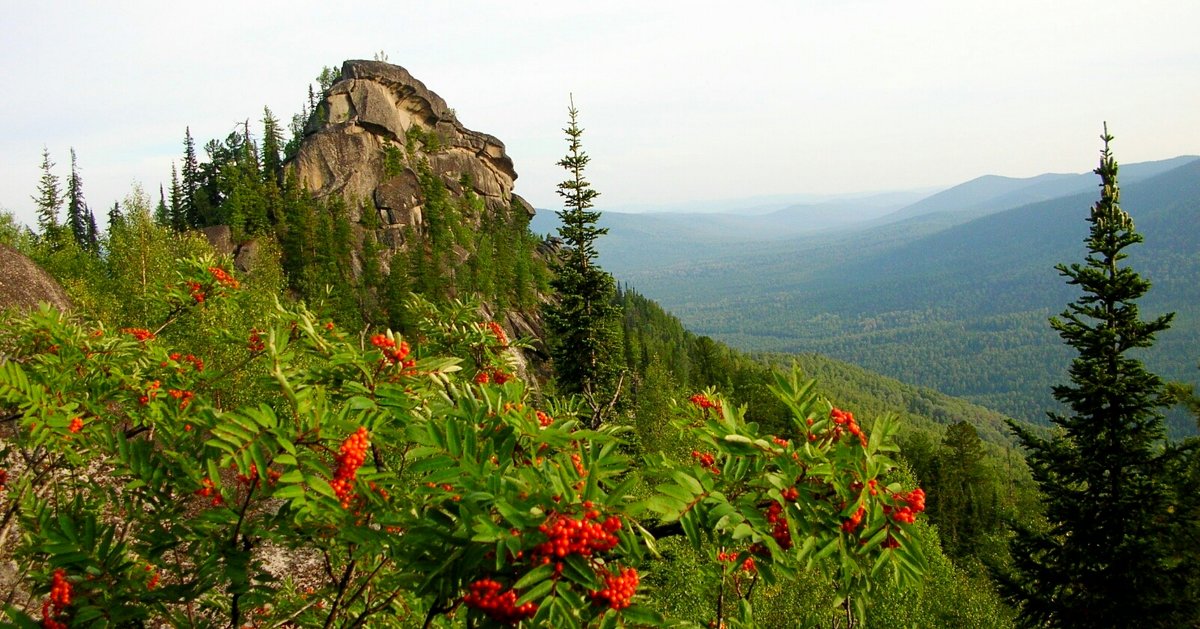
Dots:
{"x": 374, "y": 125}
{"x": 24, "y": 285}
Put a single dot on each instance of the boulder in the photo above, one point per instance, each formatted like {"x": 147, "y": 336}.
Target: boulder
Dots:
{"x": 378, "y": 112}
{"x": 24, "y": 285}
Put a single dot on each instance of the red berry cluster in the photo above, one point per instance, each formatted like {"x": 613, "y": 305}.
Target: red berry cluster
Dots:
{"x": 393, "y": 353}
{"x": 197, "y": 291}
{"x": 255, "y": 344}
{"x": 704, "y": 402}
{"x": 845, "y": 420}
{"x": 153, "y": 581}
{"x": 781, "y": 442}
{"x": 60, "y": 599}
{"x": 495, "y": 375}
{"x": 141, "y": 334}
{"x": 209, "y": 490}
{"x": 76, "y": 425}
{"x": 910, "y": 505}
{"x": 184, "y": 397}
{"x": 350, "y": 457}
{"x": 489, "y": 597}
{"x": 790, "y": 494}
{"x": 222, "y": 277}
{"x": 544, "y": 419}
{"x": 780, "y": 530}
{"x": 852, "y": 523}
{"x": 584, "y": 536}
{"x": 731, "y": 556}
{"x": 618, "y": 589}
{"x": 3, "y": 479}
{"x": 498, "y": 332}
{"x": 177, "y": 357}
{"x": 151, "y": 393}
{"x": 706, "y": 460}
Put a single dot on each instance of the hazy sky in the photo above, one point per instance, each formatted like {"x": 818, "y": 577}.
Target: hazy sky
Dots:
{"x": 681, "y": 100}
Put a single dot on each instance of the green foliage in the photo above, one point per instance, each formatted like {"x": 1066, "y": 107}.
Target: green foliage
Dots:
{"x": 397, "y": 486}
{"x": 1105, "y": 559}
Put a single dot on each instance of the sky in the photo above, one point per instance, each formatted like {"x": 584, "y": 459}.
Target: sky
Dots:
{"x": 681, "y": 101}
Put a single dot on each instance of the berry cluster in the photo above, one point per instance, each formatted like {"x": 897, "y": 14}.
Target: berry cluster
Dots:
{"x": 209, "y": 490}
{"x": 60, "y": 599}
{"x": 255, "y": 344}
{"x": 498, "y": 332}
{"x": 790, "y": 494}
{"x": 731, "y": 557}
{"x": 489, "y": 597}
{"x": 779, "y": 530}
{"x": 704, "y": 402}
{"x": 495, "y": 375}
{"x": 76, "y": 425}
{"x": 910, "y": 505}
{"x": 151, "y": 393}
{"x": 141, "y": 334}
{"x": 618, "y": 589}
{"x": 177, "y": 357}
{"x": 197, "y": 291}
{"x": 394, "y": 354}
{"x": 706, "y": 460}
{"x": 153, "y": 581}
{"x": 852, "y": 523}
{"x": 350, "y": 457}
{"x": 184, "y": 397}
{"x": 544, "y": 419}
{"x": 3, "y": 479}
{"x": 223, "y": 278}
{"x": 584, "y": 536}
{"x": 845, "y": 421}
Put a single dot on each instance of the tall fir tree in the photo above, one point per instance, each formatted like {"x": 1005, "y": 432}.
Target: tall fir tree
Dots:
{"x": 272, "y": 165}
{"x": 48, "y": 199}
{"x": 191, "y": 181}
{"x": 115, "y": 217}
{"x": 1105, "y": 560}
{"x": 583, "y": 322}
{"x": 175, "y": 202}
{"x": 77, "y": 211}
{"x": 162, "y": 212}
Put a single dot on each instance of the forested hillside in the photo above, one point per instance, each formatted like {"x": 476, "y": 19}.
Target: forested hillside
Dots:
{"x": 959, "y": 308}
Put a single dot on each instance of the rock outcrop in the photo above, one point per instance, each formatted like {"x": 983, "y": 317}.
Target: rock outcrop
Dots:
{"x": 370, "y": 130}
{"x": 23, "y": 284}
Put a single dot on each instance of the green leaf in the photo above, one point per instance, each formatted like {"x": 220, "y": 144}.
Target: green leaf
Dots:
{"x": 537, "y": 575}
{"x": 537, "y": 593}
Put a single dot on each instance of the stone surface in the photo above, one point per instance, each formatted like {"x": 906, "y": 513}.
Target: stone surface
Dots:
{"x": 24, "y": 285}
{"x": 377, "y": 107}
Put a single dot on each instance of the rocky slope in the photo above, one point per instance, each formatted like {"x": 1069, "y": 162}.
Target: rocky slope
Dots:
{"x": 372, "y": 128}
{"x": 23, "y": 284}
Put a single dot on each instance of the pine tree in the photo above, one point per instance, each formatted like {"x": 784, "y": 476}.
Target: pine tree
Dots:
{"x": 272, "y": 165}
{"x": 583, "y": 324}
{"x": 162, "y": 213}
{"x": 49, "y": 198}
{"x": 1104, "y": 562}
{"x": 77, "y": 211}
{"x": 115, "y": 217}
{"x": 175, "y": 203}
{"x": 191, "y": 181}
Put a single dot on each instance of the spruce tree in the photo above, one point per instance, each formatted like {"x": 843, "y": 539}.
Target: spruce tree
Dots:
{"x": 191, "y": 181}
{"x": 175, "y": 203}
{"x": 77, "y": 212}
{"x": 583, "y": 321}
{"x": 272, "y": 166}
{"x": 49, "y": 198}
{"x": 1104, "y": 560}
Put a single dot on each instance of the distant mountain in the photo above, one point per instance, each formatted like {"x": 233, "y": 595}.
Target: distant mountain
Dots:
{"x": 958, "y": 307}
{"x": 993, "y": 193}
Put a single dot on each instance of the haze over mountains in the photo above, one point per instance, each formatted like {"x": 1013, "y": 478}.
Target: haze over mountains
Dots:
{"x": 951, "y": 291}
